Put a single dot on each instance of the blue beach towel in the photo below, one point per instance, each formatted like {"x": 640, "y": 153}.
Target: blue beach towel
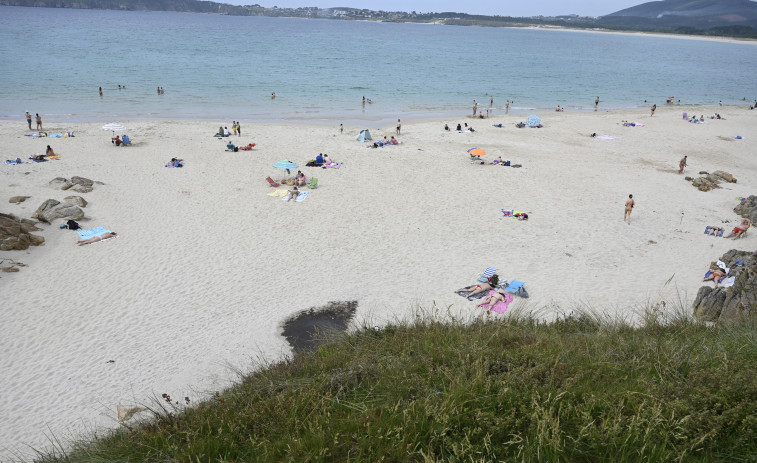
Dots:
{"x": 92, "y": 232}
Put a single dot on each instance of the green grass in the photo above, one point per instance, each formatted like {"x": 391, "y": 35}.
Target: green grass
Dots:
{"x": 579, "y": 389}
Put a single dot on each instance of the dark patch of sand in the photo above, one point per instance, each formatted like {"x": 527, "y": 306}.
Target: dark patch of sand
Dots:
{"x": 315, "y": 326}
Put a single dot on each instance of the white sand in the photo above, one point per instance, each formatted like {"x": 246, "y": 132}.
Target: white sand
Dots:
{"x": 207, "y": 266}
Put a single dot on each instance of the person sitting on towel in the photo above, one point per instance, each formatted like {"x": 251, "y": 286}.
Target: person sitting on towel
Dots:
{"x": 480, "y": 287}
{"x": 49, "y": 151}
{"x": 116, "y": 140}
{"x": 300, "y": 179}
{"x": 293, "y": 193}
{"x": 230, "y": 146}
{"x": 319, "y": 159}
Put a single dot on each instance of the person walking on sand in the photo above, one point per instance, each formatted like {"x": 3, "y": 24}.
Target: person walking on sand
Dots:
{"x": 29, "y": 119}
{"x": 629, "y": 207}
{"x": 682, "y": 164}
{"x": 39, "y": 121}
{"x": 654, "y": 106}
{"x": 399, "y": 126}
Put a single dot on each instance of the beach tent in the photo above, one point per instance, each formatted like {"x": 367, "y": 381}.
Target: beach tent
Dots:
{"x": 364, "y": 136}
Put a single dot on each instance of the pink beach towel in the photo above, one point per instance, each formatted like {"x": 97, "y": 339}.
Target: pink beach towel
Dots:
{"x": 500, "y": 306}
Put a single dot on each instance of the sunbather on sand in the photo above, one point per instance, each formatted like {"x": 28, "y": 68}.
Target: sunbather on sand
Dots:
{"x": 714, "y": 230}
{"x": 95, "y": 239}
{"x": 293, "y": 193}
{"x": 497, "y": 161}
{"x": 490, "y": 300}
{"x": 715, "y": 275}
{"x": 480, "y": 287}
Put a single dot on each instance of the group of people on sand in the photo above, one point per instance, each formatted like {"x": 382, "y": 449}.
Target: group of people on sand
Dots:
{"x": 385, "y": 142}
{"x": 460, "y": 128}
{"x": 324, "y": 160}
{"x": 491, "y": 285}
{"x": 37, "y": 118}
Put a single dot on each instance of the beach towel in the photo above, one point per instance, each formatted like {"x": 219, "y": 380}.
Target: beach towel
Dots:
{"x": 708, "y": 229}
{"x": 92, "y": 232}
{"x": 36, "y": 134}
{"x": 279, "y": 193}
{"x": 56, "y": 135}
{"x": 466, "y": 293}
{"x": 605, "y": 137}
{"x": 333, "y": 165}
{"x": 13, "y": 162}
{"x": 729, "y": 282}
{"x": 721, "y": 264}
{"x": 499, "y": 306}
{"x": 38, "y": 160}
{"x": 300, "y": 197}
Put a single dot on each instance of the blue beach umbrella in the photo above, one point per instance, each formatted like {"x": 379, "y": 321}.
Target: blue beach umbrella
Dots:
{"x": 533, "y": 121}
{"x": 285, "y": 165}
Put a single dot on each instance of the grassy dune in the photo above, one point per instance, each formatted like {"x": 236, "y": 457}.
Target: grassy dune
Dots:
{"x": 579, "y": 389}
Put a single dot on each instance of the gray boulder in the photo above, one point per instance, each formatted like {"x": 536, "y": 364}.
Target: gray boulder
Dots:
{"x": 78, "y": 184}
{"x": 748, "y": 208}
{"x": 18, "y": 199}
{"x": 725, "y": 176}
{"x": 14, "y": 233}
{"x": 52, "y": 209}
{"x": 704, "y": 184}
{"x": 60, "y": 183}
{"x": 76, "y": 200}
{"x": 735, "y": 302}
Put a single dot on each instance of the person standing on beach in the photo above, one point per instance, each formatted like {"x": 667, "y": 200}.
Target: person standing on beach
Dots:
{"x": 507, "y": 107}
{"x": 596, "y": 103}
{"x": 654, "y": 106}
{"x": 239, "y": 130}
{"x": 29, "y": 119}
{"x": 39, "y": 121}
{"x": 629, "y": 207}
{"x": 682, "y": 164}
{"x": 475, "y": 108}
{"x": 399, "y": 126}
{"x": 341, "y": 128}
{"x": 491, "y": 101}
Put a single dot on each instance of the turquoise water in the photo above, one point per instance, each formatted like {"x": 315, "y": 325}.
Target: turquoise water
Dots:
{"x": 225, "y": 67}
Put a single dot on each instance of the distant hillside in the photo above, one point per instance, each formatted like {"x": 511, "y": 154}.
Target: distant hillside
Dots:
{"x": 700, "y": 14}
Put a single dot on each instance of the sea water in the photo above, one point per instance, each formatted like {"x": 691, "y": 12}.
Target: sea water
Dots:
{"x": 226, "y": 67}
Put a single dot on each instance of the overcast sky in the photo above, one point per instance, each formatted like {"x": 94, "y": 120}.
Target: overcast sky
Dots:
{"x": 485, "y": 7}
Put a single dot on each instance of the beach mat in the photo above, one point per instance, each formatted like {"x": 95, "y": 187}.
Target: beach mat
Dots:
{"x": 92, "y": 232}
{"x": 300, "y": 197}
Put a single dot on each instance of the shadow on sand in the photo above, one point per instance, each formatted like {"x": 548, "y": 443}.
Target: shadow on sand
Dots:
{"x": 315, "y": 326}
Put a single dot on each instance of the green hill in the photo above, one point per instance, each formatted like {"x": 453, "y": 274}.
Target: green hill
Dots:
{"x": 700, "y": 14}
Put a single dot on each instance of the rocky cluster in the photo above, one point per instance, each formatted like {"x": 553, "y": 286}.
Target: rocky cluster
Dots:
{"x": 720, "y": 304}
{"x": 15, "y": 233}
{"x": 709, "y": 181}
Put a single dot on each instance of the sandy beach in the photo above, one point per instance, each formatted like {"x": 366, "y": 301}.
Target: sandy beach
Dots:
{"x": 207, "y": 265}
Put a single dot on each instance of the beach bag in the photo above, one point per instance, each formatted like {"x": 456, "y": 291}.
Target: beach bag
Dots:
{"x": 72, "y": 225}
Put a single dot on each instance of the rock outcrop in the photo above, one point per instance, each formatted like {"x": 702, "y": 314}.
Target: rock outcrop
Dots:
{"x": 748, "y": 208}
{"x": 52, "y": 209}
{"x": 76, "y": 201}
{"x": 18, "y": 199}
{"x": 78, "y": 184}
{"x": 710, "y": 181}
{"x": 15, "y": 233}
{"x": 733, "y": 303}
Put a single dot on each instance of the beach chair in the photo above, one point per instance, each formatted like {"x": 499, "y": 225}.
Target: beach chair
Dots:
{"x": 516, "y": 287}
{"x": 313, "y": 183}
{"x": 271, "y": 182}
{"x": 125, "y": 140}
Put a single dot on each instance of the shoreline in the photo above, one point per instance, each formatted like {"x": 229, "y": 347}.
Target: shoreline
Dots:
{"x": 208, "y": 267}
{"x": 649, "y": 34}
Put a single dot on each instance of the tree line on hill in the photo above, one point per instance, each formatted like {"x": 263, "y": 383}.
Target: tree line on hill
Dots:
{"x": 642, "y": 18}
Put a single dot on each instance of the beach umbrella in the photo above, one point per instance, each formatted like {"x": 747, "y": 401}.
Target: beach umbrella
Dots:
{"x": 285, "y": 165}
{"x": 114, "y": 127}
{"x": 477, "y": 152}
{"x": 533, "y": 121}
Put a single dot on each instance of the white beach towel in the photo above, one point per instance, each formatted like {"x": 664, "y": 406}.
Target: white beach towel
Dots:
{"x": 300, "y": 197}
